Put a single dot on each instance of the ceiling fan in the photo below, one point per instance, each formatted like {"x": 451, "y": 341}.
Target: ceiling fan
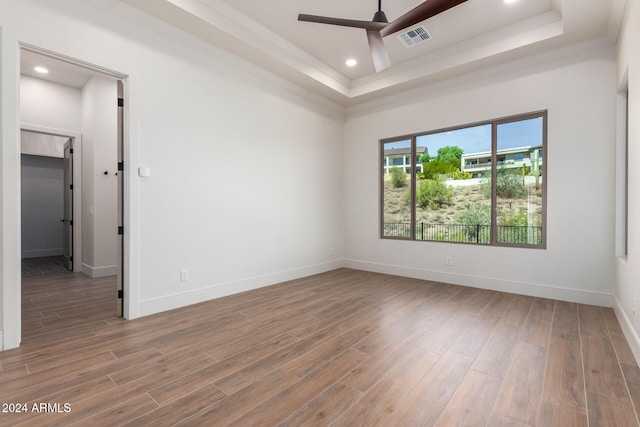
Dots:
{"x": 380, "y": 27}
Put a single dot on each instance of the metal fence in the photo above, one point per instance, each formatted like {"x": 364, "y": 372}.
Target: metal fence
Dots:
{"x": 397, "y": 229}
{"x": 525, "y": 235}
{"x": 463, "y": 233}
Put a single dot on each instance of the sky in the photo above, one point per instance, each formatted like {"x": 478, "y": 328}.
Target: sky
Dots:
{"x": 475, "y": 139}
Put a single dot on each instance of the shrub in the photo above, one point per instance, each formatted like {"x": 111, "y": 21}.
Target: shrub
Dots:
{"x": 458, "y": 175}
{"x": 433, "y": 194}
{"x": 435, "y": 168}
{"x": 398, "y": 177}
{"x": 521, "y": 219}
{"x": 473, "y": 216}
{"x": 509, "y": 184}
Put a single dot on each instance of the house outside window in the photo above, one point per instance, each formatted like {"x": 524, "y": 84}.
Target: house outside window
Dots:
{"x": 401, "y": 157}
{"x": 511, "y": 158}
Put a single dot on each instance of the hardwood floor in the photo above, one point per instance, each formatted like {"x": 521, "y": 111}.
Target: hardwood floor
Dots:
{"x": 344, "y": 348}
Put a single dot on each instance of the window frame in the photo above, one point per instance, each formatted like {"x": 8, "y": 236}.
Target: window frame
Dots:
{"x": 494, "y": 173}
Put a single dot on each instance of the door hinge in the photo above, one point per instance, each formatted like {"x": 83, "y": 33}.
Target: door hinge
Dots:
{"x": 120, "y": 230}
{"x": 120, "y": 294}
{"x": 120, "y": 102}
{"x": 120, "y": 166}
{"x": 71, "y": 150}
{"x": 71, "y": 223}
{"x": 70, "y": 186}
{"x": 70, "y": 259}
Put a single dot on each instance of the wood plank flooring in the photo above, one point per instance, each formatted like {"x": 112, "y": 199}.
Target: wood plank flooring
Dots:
{"x": 344, "y": 348}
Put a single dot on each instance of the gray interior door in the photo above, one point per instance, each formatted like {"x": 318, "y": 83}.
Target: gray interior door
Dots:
{"x": 67, "y": 220}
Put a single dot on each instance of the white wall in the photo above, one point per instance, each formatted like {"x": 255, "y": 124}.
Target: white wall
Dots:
{"x": 99, "y": 191}
{"x": 627, "y": 287}
{"x": 578, "y": 90}
{"x": 11, "y": 321}
{"x": 40, "y": 144}
{"x": 244, "y": 187}
{"x": 49, "y": 104}
{"x": 246, "y": 173}
{"x": 42, "y": 205}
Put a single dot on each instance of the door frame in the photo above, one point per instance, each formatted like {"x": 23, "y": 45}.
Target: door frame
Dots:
{"x": 10, "y": 214}
{"x": 76, "y": 144}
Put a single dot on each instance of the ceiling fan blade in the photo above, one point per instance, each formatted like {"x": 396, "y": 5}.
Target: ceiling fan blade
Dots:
{"x": 368, "y": 25}
{"x": 419, "y": 13}
{"x": 378, "y": 51}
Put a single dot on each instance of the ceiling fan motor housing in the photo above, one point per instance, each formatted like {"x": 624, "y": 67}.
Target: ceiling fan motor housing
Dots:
{"x": 380, "y": 17}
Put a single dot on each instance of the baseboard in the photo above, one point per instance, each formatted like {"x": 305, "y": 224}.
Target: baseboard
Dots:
{"x": 39, "y": 253}
{"x": 532, "y": 289}
{"x": 627, "y": 328}
{"x": 170, "y": 302}
{"x": 97, "y": 272}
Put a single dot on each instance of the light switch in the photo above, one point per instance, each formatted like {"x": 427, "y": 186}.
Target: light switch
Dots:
{"x": 144, "y": 172}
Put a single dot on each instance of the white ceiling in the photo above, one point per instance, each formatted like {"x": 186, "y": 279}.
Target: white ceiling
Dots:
{"x": 60, "y": 71}
{"x": 474, "y": 34}
{"x": 333, "y": 45}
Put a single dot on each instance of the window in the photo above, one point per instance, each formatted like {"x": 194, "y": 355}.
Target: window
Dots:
{"x": 477, "y": 184}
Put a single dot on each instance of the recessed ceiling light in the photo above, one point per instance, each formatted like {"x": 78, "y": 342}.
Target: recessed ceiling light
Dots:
{"x": 510, "y": 1}
{"x": 351, "y": 62}
{"x": 41, "y": 70}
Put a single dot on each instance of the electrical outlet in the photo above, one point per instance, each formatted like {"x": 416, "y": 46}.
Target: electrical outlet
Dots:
{"x": 449, "y": 261}
{"x": 184, "y": 275}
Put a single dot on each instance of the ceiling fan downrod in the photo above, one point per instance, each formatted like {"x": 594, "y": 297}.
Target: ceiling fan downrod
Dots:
{"x": 379, "y": 15}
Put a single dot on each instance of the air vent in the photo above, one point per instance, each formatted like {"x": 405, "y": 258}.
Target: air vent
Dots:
{"x": 414, "y": 36}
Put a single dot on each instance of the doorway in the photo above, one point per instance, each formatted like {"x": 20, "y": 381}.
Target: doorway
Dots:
{"x": 87, "y": 100}
{"x": 47, "y": 165}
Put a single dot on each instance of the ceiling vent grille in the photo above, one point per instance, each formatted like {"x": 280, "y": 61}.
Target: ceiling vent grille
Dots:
{"x": 414, "y": 36}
